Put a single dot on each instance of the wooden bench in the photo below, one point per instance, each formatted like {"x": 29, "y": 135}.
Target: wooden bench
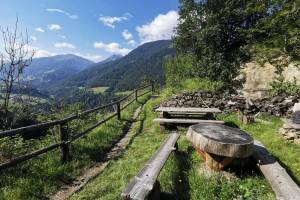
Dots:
{"x": 144, "y": 185}
{"x": 187, "y": 111}
{"x": 281, "y": 182}
{"x": 169, "y": 116}
{"x": 186, "y": 121}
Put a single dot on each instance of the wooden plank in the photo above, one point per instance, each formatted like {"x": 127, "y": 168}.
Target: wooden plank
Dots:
{"x": 187, "y": 121}
{"x": 142, "y": 184}
{"x": 28, "y": 156}
{"x": 188, "y": 110}
{"x": 282, "y": 184}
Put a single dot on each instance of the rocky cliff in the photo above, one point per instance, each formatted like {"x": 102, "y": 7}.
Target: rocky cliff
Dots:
{"x": 258, "y": 78}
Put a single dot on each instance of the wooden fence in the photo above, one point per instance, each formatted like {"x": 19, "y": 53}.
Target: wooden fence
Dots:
{"x": 65, "y": 139}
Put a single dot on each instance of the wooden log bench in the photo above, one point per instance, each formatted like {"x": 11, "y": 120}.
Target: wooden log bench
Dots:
{"x": 281, "y": 182}
{"x": 144, "y": 185}
{"x": 219, "y": 145}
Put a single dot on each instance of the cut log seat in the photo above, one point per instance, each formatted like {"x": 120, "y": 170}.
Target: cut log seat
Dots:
{"x": 144, "y": 185}
{"x": 282, "y": 184}
{"x": 186, "y": 121}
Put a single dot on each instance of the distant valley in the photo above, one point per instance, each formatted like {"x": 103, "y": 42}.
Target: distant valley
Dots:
{"x": 63, "y": 74}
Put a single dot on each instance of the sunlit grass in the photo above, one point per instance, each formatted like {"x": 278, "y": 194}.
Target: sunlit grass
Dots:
{"x": 181, "y": 177}
{"x": 41, "y": 176}
{"x": 124, "y": 93}
{"x": 99, "y": 90}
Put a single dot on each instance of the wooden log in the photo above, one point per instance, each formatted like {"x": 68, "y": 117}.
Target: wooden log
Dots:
{"x": 64, "y": 135}
{"x": 136, "y": 95}
{"x": 119, "y": 110}
{"x": 246, "y": 119}
{"x": 28, "y": 156}
{"x": 282, "y": 184}
{"x": 140, "y": 186}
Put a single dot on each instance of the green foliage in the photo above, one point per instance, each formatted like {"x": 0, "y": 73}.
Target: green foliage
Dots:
{"x": 179, "y": 68}
{"x": 214, "y": 31}
{"x": 278, "y": 33}
{"x": 202, "y": 84}
{"x": 287, "y": 87}
{"x": 215, "y": 37}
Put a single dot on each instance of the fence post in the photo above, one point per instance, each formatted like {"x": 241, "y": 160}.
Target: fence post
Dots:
{"x": 64, "y": 136}
{"x": 119, "y": 110}
{"x": 152, "y": 86}
{"x": 136, "y": 95}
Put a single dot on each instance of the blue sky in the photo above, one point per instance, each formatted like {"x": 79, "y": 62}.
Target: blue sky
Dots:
{"x": 94, "y": 29}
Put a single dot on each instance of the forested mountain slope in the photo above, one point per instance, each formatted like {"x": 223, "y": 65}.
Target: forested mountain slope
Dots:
{"x": 44, "y": 72}
{"x": 145, "y": 62}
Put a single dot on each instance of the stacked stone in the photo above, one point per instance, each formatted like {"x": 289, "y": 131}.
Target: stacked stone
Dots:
{"x": 280, "y": 105}
{"x": 291, "y": 128}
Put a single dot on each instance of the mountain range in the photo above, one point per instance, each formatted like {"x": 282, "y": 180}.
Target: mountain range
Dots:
{"x": 61, "y": 73}
{"x": 128, "y": 72}
{"x": 46, "y": 71}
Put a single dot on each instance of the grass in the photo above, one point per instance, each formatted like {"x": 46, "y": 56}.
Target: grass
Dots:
{"x": 99, "y": 90}
{"x": 36, "y": 178}
{"x": 183, "y": 176}
{"x": 124, "y": 93}
{"x": 285, "y": 152}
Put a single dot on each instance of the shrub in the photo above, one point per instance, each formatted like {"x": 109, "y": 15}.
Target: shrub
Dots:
{"x": 202, "y": 84}
{"x": 280, "y": 86}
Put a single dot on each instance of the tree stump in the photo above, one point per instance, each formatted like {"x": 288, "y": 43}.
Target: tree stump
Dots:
{"x": 220, "y": 144}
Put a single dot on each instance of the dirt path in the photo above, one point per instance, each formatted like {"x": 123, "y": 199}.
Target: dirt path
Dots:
{"x": 67, "y": 190}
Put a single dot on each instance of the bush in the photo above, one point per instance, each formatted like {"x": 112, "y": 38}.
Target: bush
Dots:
{"x": 202, "y": 84}
{"x": 287, "y": 87}
{"x": 179, "y": 68}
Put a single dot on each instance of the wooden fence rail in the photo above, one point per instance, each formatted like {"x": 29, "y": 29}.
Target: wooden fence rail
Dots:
{"x": 62, "y": 128}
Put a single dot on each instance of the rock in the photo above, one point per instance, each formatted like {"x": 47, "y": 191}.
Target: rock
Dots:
{"x": 297, "y": 141}
{"x": 291, "y": 135}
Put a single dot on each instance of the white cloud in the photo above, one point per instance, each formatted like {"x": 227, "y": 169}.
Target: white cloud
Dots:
{"x": 71, "y": 16}
{"x": 92, "y": 57}
{"x": 63, "y": 36}
{"x": 162, "y": 27}
{"x": 42, "y": 53}
{"x": 38, "y": 53}
{"x": 33, "y": 38}
{"x": 39, "y": 29}
{"x": 110, "y": 20}
{"x": 131, "y": 42}
{"x": 64, "y": 45}
{"x": 127, "y": 35}
{"x": 112, "y": 48}
{"x": 54, "y": 27}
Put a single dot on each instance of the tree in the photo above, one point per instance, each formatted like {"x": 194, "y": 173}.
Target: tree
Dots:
{"x": 278, "y": 35}
{"x": 15, "y": 57}
{"x": 216, "y": 33}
